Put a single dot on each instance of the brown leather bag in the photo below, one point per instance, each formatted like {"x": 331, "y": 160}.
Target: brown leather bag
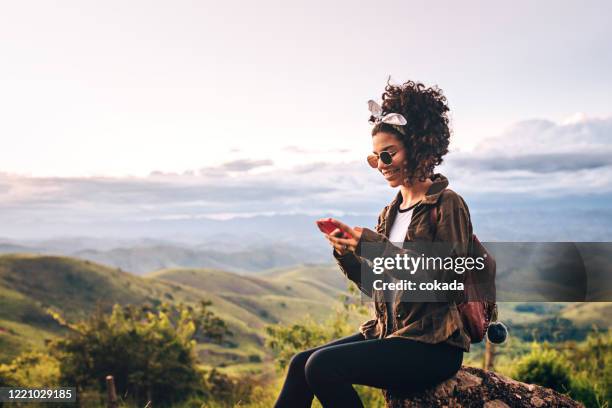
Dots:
{"x": 476, "y": 315}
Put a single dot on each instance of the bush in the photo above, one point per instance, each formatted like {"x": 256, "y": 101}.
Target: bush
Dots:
{"x": 545, "y": 367}
{"x": 30, "y": 369}
{"x": 149, "y": 353}
{"x": 582, "y": 370}
{"x": 582, "y": 389}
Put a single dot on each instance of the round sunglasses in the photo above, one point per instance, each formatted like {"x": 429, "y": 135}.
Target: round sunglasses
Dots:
{"x": 385, "y": 156}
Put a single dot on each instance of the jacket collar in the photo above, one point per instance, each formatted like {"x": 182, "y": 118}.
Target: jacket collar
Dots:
{"x": 432, "y": 196}
{"x": 440, "y": 182}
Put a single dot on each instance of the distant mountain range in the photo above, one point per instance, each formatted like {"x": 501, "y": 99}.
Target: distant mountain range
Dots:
{"x": 142, "y": 257}
{"x": 250, "y": 244}
{"x": 496, "y": 217}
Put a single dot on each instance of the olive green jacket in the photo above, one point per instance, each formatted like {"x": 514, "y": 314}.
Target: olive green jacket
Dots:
{"x": 428, "y": 322}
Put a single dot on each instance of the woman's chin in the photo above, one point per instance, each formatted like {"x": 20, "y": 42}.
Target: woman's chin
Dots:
{"x": 394, "y": 182}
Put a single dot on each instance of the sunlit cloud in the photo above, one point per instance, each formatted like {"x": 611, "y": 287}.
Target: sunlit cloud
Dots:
{"x": 532, "y": 159}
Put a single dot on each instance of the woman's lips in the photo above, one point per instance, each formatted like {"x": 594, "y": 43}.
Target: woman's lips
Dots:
{"x": 388, "y": 174}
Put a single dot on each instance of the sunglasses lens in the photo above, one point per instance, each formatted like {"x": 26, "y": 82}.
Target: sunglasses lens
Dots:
{"x": 386, "y": 158}
{"x": 373, "y": 160}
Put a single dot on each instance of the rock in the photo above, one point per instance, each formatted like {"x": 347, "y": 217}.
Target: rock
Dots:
{"x": 473, "y": 387}
{"x": 537, "y": 402}
{"x": 495, "y": 404}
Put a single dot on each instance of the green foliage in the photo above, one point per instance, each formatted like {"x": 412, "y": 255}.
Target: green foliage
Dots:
{"x": 591, "y": 364}
{"x": 149, "y": 352}
{"x": 546, "y": 367}
{"x": 225, "y": 391}
{"x": 30, "y": 369}
{"x": 583, "y": 370}
{"x": 207, "y": 326}
{"x": 584, "y": 390}
{"x": 287, "y": 340}
{"x": 228, "y": 391}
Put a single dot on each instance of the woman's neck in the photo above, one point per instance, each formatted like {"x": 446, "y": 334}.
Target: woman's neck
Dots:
{"x": 415, "y": 192}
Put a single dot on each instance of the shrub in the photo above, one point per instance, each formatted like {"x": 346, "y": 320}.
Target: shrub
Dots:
{"x": 150, "y": 353}
{"x": 30, "y": 369}
{"x": 582, "y": 389}
{"x": 545, "y": 367}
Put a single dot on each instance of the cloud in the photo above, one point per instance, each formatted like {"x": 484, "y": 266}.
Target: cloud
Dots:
{"x": 302, "y": 150}
{"x": 546, "y": 138}
{"x": 532, "y": 159}
{"x": 541, "y": 157}
{"x": 539, "y": 162}
{"x": 245, "y": 164}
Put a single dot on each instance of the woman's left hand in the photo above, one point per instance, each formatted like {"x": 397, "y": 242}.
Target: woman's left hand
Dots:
{"x": 345, "y": 244}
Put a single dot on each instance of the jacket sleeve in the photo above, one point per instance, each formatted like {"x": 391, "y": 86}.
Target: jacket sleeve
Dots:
{"x": 351, "y": 264}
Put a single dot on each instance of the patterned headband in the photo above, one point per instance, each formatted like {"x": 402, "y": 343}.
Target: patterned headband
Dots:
{"x": 394, "y": 119}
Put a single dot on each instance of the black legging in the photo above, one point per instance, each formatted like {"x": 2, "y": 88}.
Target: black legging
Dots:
{"x": 330, "y": 370}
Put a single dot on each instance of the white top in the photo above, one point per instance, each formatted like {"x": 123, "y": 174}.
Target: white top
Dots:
{"x": 400, "y": 225}
{"x": 397, "y": 236}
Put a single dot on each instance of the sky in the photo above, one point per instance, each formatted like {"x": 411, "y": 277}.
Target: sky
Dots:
{"x": 170, "y": 110}
{"x": 129, "y": 88}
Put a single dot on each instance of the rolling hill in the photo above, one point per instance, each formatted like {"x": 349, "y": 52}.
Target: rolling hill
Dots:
{"x": 33, "y": 285}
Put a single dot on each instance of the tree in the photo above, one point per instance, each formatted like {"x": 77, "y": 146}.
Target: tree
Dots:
{"x": 150, "y": 352}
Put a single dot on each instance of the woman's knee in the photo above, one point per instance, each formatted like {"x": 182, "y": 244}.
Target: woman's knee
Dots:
{"x": 298, "y": 361}
{"x": 319, "y": 368}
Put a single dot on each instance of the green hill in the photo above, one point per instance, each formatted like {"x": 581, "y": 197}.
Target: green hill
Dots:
{"x": 285, "y": 295}
{"x": 34, "y": 286}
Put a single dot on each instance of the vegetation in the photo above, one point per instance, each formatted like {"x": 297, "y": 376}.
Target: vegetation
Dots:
{"x": 582, "y": 370}
{"x": 64, "y": 320}
{"x": 544, "y": 367}
{"x": 31, "y": 369}
{"x": 551, "y": 329}
{"x": 149, "y": 353}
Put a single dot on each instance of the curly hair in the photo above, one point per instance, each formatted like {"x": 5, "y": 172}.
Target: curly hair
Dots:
{"x": 427, "y": 132}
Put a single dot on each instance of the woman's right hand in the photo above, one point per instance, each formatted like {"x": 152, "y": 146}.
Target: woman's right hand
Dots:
{"x": 339, "y": 248}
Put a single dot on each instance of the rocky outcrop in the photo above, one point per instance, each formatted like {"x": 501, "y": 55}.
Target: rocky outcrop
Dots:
{"x": 473, "y": 387}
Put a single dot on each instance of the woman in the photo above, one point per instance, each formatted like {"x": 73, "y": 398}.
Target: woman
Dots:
{"x": 407, "y": 345}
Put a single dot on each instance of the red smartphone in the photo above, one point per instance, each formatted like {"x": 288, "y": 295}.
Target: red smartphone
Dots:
{"x": 327, "y": 227}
